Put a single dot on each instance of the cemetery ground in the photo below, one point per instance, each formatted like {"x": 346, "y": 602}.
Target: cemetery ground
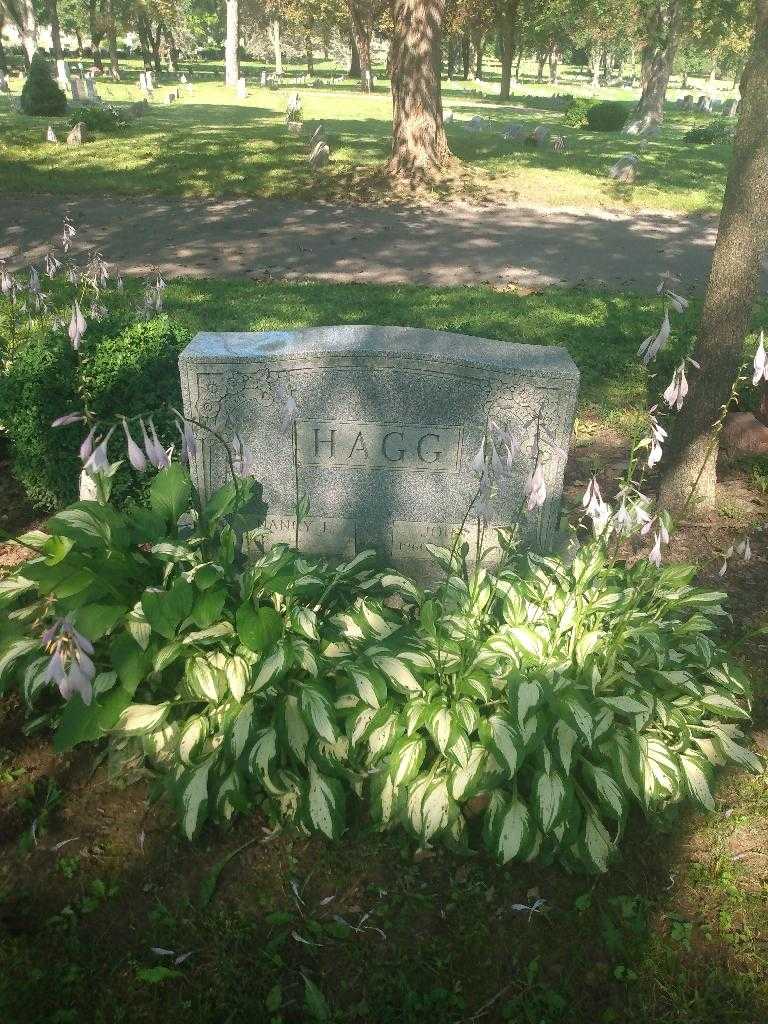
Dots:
{"x": 210, "y": 143}
{"x": 675, "y": 933}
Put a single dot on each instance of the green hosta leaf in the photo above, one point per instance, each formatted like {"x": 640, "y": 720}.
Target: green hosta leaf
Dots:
{"x": 314, "y": 1001}
{"x": 576, "y": 713}
{"x": 34, "y": 679}
{"x": 398, "y": 674}
{"x": 722, "y": 706}
{"x": 304, "y": 656}
{"x": 208, "y": 607}
{"x": 238, "y": 674}
{"x": 192, "y": 735}
{"x": 258, "y": 628}
{"x": 242, "y": 729}
{"x": 193, "y": 797}
{"x": 141, "y": 718}
{"x": 501, "y": 737}
{"x": 15, "y": 650}
{"x": 370, "y": 685}
{"x": 595, "y": 845}
{"x": 325, "y": 803}
{"x": 507, "y": 828}
{"x": 548, "y": 799}
{"x": 81, "y": 723}
{"x": 304, "y": 622}
{"x": 272, "y": 668}
{"x": 167, "y": 655}
{"x": 318, "y": 710}
{"x": 565, "y": 740}
{"x": 698, "y": 777}
{"x": 734, "y": 751}
{"x": 406, "y": 759}
{"x": 170, "y": 493}
{"x": 129, "y": 661}
{"x": 205, "y": 678}
{"x": 435, "y": 809}
{"x": 292, "y": 725}
{"x": 629, "y": 705}
{"x": 96, "y": 620}
{"x": 467, "y": 780}
{"x": 524, "y": 698}
{"x": 164, "y": 609}
{"x": 526, "y": 641}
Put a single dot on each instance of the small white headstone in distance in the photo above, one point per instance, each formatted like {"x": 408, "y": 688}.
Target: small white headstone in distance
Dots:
{"x": 242, "y": 91}
{"x": 50, "y": 135}
{"x": 447, "y": 116}
{"x": 263, "y": 79}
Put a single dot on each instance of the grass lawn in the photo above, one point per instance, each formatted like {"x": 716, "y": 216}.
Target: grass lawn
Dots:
{"x": 212, "y": 144}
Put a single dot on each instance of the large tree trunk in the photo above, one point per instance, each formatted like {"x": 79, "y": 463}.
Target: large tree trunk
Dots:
{"x": 27, "y": 26}
{"x": 478, "y": 41}
{"x": 361, "y": 14}
{"x": 144, "y": 33}
{"x": 52, "y": 11}
{"x": 466, "y": 56}
{"x": 354, "y": 60}
{"x": 232, "y": 44}
{"x": 419, "y": 144}
{"x": 691, "y": 456}
{"x": 594, "y": 66}
{"x": 662, "y": 34}
{"x": 154, "y": 42}
{"x": 114, "y": 62}
{"x": 507, "y": 21}
{"x": 274, "y": 38}
{"x": 173, "y": 50}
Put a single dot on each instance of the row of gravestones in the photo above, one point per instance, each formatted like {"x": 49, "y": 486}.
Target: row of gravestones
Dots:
{"x": 540, "y": 136}
{"x": 707, "y": 105}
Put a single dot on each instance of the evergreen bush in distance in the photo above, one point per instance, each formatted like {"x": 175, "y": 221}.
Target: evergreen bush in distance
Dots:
{"x": 41, "y": 95}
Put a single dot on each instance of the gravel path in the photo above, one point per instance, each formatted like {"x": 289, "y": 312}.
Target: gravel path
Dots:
{"x": 456, "y": 244}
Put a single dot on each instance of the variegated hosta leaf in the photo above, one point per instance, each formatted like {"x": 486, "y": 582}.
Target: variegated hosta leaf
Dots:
{"x": 370, "y": 685}
{"x": 722, "y": 706}
{"x": 460, "y": 747}
{"x": 193, "y": 797}
{"x": 733, "y": 751}
{"x": 468, "y": 715}
{"x": 441, "y": 723}
{"x": 325, "y": 803}
{"x": 576, "y": 713}
{"x": 398, "y": 673}
{"x": 416, "y": 711}
{"x": 332, "y": 758}
{"x": 304, "y": 622}
{"x": 318, "y": 710}
{"x": 548, "y": 799}
{"x": 358, "y": 723}
{"x": 507, "y": 829}
{"x": 349, "y": 626}
{"x": 608, "y": 792}
{"x": 230, "y": 795}
{"x": 205, "y": 678}
{"x": 661, "y": 772}
{"x": 305, "y": 657}
{"x": 238, "y": 673}
{"x": 161, "y": 745}
{"x": 595, "y": 846}
{"x": 698, "y": 777}
{"x": 406, "y": 759}
{"x": 391, "y": 581}
{"x": 191, "y": 738}
{"x": 524, "y": 698}
{"x": 262, "y": 759}
{"x": 141, "y": 718}
{"x": 467, "y": 779}
{"x": 413, "y": 802}
{"x": 382, "y": 732}
{"x": 629, "y": 705}
{"x": 384, "y": 797}
{"x": 242, "y": 730}
{"x": 435, "y": 809}
{"x": 377, "y": 625}
{"x": 564, "y": 742}
{"x": 499, "y": 735}
{"x": 293, "y": 728}
{"x": 272, "y": 668}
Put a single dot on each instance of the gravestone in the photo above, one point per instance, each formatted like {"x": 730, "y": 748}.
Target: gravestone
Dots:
{"x": 447, "y": 117}
{"x": 50, "y": 135}
{"x": 318, "y": 135}
{"x": 78, "y": 92}
{"x": 320, "y": 155}
{"x": 513, "y": 132}
{"x": 559, "y": 143}
{"x": 477, "y": 123}
{"x": 688, "y": 102}
{"x": 170, "y": 97}
{"x": 389, "y": 420}
{"x": 540, "y": 135}
{"x": 62, "y": 74}
{"x": 625, "y": 169}
{"x": 77, "y": 135}
{"x": 263, "y": 79}
{"x": 242, "y": 91}
{"x": 730, "y": 108}
{"x": 90, "y": 91}
{"x": 4, "y": 87}
{"x": 294, "y": 127}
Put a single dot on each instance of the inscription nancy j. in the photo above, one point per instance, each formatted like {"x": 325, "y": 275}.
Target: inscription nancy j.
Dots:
{"x": 388, "y": 422}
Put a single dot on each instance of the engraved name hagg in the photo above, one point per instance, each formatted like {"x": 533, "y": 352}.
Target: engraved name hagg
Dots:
{"x": 378, "y": 446}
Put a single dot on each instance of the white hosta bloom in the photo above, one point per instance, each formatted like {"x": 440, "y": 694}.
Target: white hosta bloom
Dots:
{"x": 289, "y": 410}
{"x": 760, "y": 363}
{"x": 745, "y": 549}
{"x": 592, "y": 499}
{"x": 77, "y": 326}
{"x": 52, "y": 264}
{"x": 536, "y": 489}
{"x": 655, "y": 556}
{"x": 243, "y": 460}
{"x": 477, "y": 465}
{"x": 34, "y": 282}
{"x": 98, "y": 461}
{"x": 623, "y": 519}
{"x": 655, "y": 342}
{"x": 677, "y": 389}
{"x": 188, "y": 441}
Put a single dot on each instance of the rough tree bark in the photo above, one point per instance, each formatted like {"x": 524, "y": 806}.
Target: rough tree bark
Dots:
{"x": 52, "y": 11}
{"x": 478, "y": 42}
{"x": 354, "y": 62}
{"x": 662, "y": 35}
{"x": 27, "y": 26}
{"x": 154, "y": 42}
{"x": 232, "y": 44}
{"x": 144, "y": 33}
{"x": 277, "y": 49}
{"x": 362, "y": 14}
{"x": 689, "y": 466}
{"x": 507, "y": 22}
{"x": 419, "y": 144}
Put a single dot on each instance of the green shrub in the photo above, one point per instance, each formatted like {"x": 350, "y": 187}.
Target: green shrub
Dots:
{"x": 104, "y": 118}
{"x": 41, "y": 94}
{"x": 608, "y": 116}
{"x": 124, "y": 365}
{"x": 576, "y": 113}
{"x": 554, "y": 698}
{"x": 716, "y": 131}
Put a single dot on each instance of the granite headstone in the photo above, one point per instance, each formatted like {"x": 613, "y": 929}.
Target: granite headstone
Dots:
{"x": 389, "y": 420}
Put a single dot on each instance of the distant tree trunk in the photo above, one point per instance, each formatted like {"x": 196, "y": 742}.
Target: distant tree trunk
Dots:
{"x": 3, "y": 62}
{"x": 519, "y": 62}
{"x": 144, "y": 34}
{"x": 274, "y": 38}
{"x": 553, "y": 67}
{"x": 326, "y": 41}
{"x": 79, "y": 38}
{"x": 594, "y": 66}
{"x": 309, "y": 53}
{"x": 232, "y": 44}
{"x": 362, "y": 28}
{"x": 52, "y": 11}
{"x": 96, "y": 35}
{"x": 354, "y": 63}
{"x": 114, "y": 62}
{"x": 154, "y": 40}
{"x": 478, "y": 42}
{"x": 691, "y": 456}
{"x": 541, "y": 60}
{"x": 27, "y": 26}
{"x": 662, "y": 33}
{"x": 173, "y": 50}
{"x": 466, "y": 56}
{"x": 419, "y": 144}
{"x": 451, "y": 57}
{"x": 507, "y": 21}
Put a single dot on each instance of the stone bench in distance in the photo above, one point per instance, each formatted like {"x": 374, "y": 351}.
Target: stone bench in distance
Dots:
{"x": 389, "y": 421}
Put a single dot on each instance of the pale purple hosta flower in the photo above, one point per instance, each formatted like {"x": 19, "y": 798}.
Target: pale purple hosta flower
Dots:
{"x": 8, "y": 284}
{"x": 655, "y": 342}
{"x": 136, "y": 456}
{"x": 760, "y": 363}
{"x": 536, "y": 489}
{"x": 678, "y": 302}
{"x": 656, "y": 440}
{"x": 482, "y": 506}
{"x": 592, "y": 499}
{"x": 70, "y": 417}
{"x": 67, "y": 234}
{"x": 87, "y": 446}
{"x": 677, "y": 389}
{"x": 77, "y": 326}
{"x": 188, "y": 441}
{"x": 119, "y": 284}
{"x": 477, "y": 465}
{"x": 507, "y": 444}
{"x": 655, "y": 556}
{"x": 98, "y": 461}
{"x": 157, "y": 455}
{"x": 52, "y": 264}
{"x": 243, "y": 460}
{"x": 289, "y": 410}
{"x": 744, "y": 548}
{"x": 34, "y": 286}
{"x": 71, "y": 667}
